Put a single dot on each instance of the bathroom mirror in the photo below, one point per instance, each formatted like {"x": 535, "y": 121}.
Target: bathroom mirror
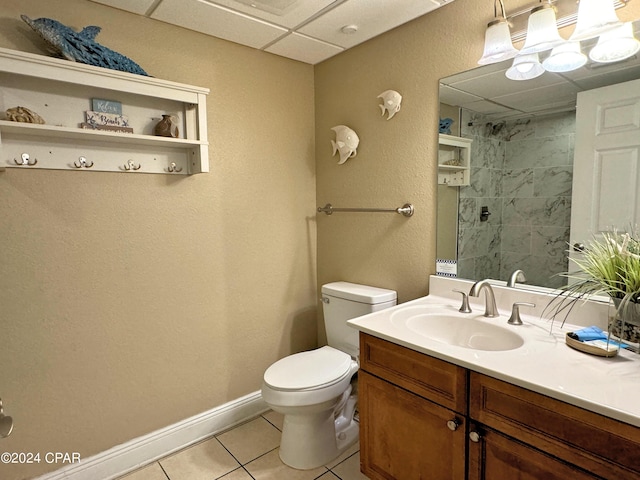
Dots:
{"x": 521, "y": 170}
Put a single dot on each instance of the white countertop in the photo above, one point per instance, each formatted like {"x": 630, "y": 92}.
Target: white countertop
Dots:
{"x": 544, "y": 364}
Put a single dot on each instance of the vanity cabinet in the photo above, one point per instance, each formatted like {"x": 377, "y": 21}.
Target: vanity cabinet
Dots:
{"x": 496, "y": 456}
{"x": 412, "y": 414}
{"x": 586, "y": 444}
{"x": 118, "y": 138}
{"x": 418, "y": 420}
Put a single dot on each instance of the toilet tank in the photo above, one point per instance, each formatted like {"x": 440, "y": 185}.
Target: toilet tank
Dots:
{"x": 342, "y": 301}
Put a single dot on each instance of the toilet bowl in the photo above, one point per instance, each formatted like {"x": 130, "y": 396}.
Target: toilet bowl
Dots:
{"x": 316, "y": 390}
{"x": 312, "y": 389}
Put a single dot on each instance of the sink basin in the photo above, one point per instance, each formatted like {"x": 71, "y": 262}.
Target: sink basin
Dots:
{"x": 455, "y": 329}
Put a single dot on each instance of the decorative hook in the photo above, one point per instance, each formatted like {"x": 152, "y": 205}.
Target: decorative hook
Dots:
{"x": 83, "y": 163}
{"x": 173, "y": 168}
{"x": 26, "y": 160}
{"x": 131, "y": 166}
{"x": 6, "y": 423}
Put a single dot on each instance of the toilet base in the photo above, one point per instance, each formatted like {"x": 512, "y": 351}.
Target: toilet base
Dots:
{"x": 308, "y": 443}
{"x": 311, "y": 440}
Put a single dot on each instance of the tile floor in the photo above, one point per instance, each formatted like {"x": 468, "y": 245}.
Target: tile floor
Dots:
{"x": 248, "y": 451}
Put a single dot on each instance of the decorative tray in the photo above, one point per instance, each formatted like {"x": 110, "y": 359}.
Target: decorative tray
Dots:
{"x": 603, "y": 350}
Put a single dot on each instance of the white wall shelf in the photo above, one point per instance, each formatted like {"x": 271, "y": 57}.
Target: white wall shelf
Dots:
{"x": 61, "y": 91}
{"x": 456, "y": 150}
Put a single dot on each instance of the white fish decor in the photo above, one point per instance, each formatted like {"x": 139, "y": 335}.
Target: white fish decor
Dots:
{"x": 390, "y": 102}
{"x": 346, "y": 143}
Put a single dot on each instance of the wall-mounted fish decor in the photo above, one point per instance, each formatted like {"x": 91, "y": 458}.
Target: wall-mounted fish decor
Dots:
{"x": 346, "y": 143}
{"x": 80, "y": 46}
{"x": 390, "y": 102}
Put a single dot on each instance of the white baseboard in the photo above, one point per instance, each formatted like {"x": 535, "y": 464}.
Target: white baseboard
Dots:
{"x": 140, "y": 451}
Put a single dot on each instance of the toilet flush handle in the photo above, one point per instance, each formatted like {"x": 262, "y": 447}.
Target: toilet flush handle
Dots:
{"x": 326, "y": 300}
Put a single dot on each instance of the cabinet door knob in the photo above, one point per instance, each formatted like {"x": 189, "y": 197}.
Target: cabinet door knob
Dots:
{"x": 453, "y": 424}
{"x": 475, "y": 436}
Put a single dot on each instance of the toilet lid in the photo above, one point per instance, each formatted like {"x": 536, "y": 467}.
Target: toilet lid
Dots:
{"x": 308, "y": 369}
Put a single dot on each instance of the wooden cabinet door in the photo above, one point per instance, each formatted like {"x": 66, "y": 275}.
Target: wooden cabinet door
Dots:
{"x": 497, "y": 457}
{"x": 604, "y": 446}
{"x": 406, "y": 437}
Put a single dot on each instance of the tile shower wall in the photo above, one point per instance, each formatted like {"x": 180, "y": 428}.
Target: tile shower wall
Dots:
{"x": 522, "y": 171}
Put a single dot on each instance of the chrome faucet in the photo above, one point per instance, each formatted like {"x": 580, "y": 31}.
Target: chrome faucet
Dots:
{"x": 490, "y": 300}
{"x": 517, "y": 276}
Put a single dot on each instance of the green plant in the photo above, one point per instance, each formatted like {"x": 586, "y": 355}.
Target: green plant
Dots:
{"x": 609, "y": 266}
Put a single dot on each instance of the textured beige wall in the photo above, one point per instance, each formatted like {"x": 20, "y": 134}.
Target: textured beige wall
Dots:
{"x": 396, "y": 160}
{"x": 130, "y": 302}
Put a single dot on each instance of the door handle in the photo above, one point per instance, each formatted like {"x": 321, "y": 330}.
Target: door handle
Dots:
{"x": 579, "y": 247}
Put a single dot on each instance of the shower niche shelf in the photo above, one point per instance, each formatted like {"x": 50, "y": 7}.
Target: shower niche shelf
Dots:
{"x": 61, "y": 92}
{"x": 454, "y": 160}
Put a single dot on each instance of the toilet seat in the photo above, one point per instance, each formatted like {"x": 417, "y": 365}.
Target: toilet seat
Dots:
{"x": 310, "y": 370}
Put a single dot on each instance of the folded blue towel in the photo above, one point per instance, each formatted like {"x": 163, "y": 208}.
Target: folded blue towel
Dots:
{"x": 589, "y": 333}
{"x": 594, "y": 333}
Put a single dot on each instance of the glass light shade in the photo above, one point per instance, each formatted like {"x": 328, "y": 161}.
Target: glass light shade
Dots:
{"x": 542, "y": 31}
{"x": 615, "y": 45}
{"x": 525, "y": 67}
{"x": 497, "y": 43}
{"x": 565, "y": 58}
{"x": 594, "y": 18}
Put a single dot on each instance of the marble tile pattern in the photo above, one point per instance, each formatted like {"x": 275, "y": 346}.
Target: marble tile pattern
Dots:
{"x": 522, "y": 171}
{"x": 247, "y": 452}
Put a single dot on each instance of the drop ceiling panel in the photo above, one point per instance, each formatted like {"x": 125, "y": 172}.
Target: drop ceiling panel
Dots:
{"x": 478, "y": 72}
{"x": 218, "y": 21}
{"x": 497, "y": 84}
{"x": 372, "y": 17}
{"x": 485, "y": 107}
{"x": 451, "y": 96}
{"x": 303, "y": 48}
{"x": 540, "y": 98}
{"x": 605, "y": 75}
{"x": 136, "y": 6}
{"x": 288, "y": 13}
{"x": 284, "y": 27}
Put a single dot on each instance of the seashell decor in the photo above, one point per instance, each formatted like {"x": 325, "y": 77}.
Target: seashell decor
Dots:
{"x": 24, "y": 115}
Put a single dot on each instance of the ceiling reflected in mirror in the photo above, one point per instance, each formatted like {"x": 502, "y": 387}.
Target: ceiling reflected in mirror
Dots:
{"x": 487, "y": 90}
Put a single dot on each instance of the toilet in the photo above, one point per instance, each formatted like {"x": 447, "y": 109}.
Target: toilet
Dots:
{"x": 316, "y": 391}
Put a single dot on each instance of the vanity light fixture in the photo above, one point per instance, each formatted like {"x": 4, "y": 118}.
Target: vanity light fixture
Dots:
{"x": 565, "y": 58}
{"x": 497, "y": 39}
{"x": 615, "y": 45}
{"x": 542, "y": 30}
{"x": 525, "y": 67}
{"x": 594, "y": 17}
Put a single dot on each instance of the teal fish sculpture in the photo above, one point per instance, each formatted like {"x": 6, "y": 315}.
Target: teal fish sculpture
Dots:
{"x": 81, "y": 46}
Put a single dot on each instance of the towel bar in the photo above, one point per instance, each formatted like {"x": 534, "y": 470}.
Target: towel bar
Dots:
{"x": 406, "y": 209}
